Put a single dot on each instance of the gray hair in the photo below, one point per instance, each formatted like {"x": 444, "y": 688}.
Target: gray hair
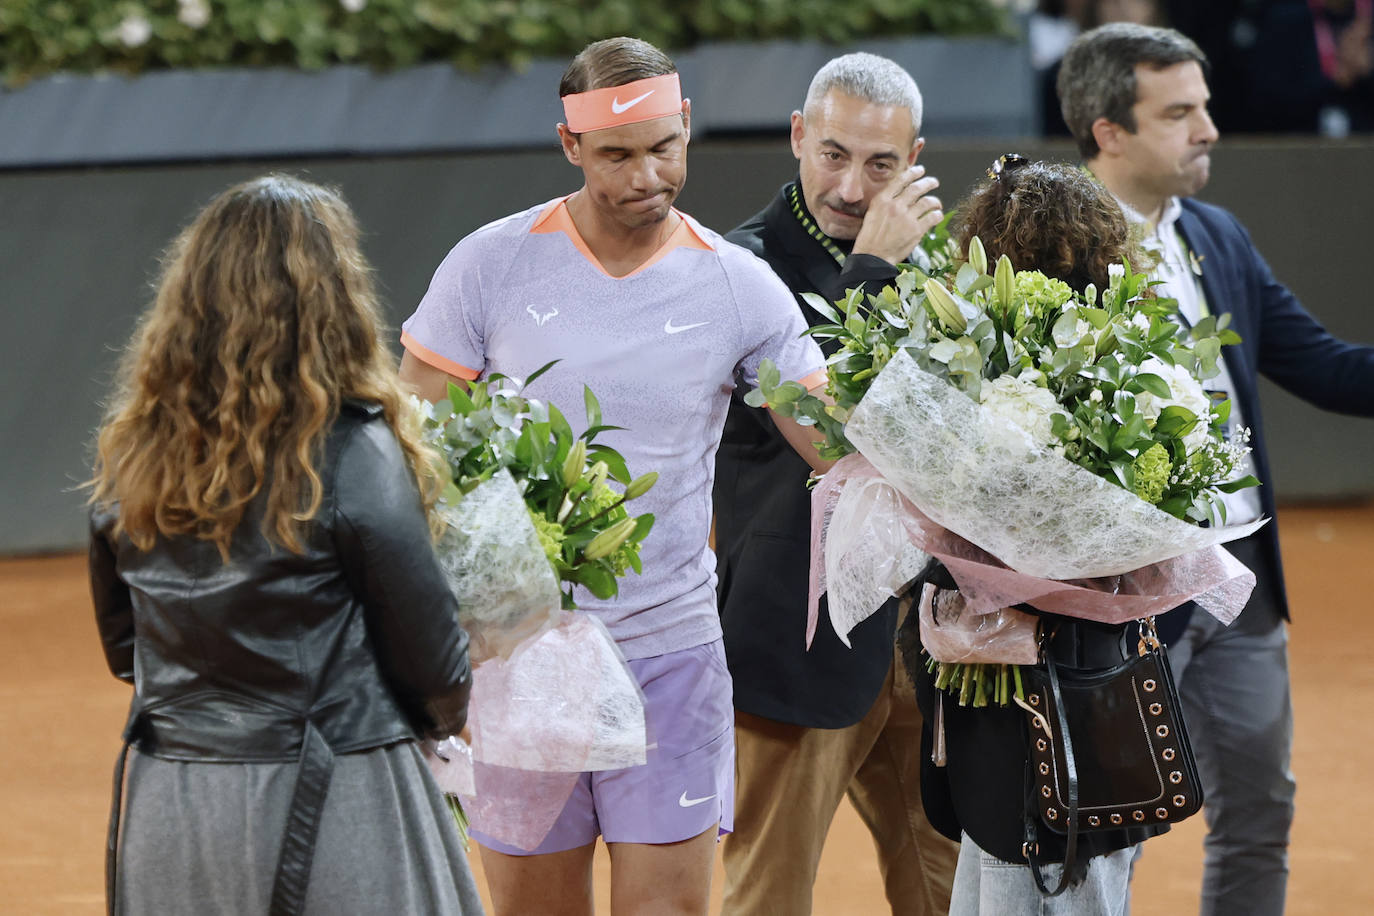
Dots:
{"x": 871, "y": 78}
{"x": 1097, "y": 74}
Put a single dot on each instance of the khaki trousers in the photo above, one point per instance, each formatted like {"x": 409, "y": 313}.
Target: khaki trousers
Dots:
{"x": 789, "y": 783}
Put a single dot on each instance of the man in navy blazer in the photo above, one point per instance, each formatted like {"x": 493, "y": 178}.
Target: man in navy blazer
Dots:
{"x": 1135, "y": 99}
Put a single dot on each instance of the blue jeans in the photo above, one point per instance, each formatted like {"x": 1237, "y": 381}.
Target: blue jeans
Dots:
{"x": 1233, "y": 682}
{"x": 985, "y": 885}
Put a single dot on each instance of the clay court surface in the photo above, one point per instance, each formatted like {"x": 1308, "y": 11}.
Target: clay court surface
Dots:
{"x": 61, "y": 713}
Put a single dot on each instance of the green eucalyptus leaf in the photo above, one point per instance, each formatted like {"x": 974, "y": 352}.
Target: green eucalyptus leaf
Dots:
{"x": 944, "y": 350}
{"x": 593, "y": 431}
{"x": 978, "y": 285}
{"x": 1148, "y": 381}
{"x": 615, "y": 462}
{"x": 822, "y": 307}
{"x": 538, "y": 372}
{"x": 1232, "y": 486}
{"x": 558, "y": 423}
{"x": 459, "y": 401}
{"x": 598, "y": 579}
{"x": 1175, "y": 422}
{"x": 593, "y": 407}
{"x": 965, "y": 277}
{"x": 769, "y": 376}
{"x": 1177, "y": 506}
{"x": 643, "y": 525}
{"x": 1124, "y": 472}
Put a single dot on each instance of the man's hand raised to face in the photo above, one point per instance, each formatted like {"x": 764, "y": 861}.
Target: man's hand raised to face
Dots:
{"x": 899, "y": 216}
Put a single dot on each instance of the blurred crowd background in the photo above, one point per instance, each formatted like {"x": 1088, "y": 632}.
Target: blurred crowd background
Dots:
{"x": 1278, "y": 66}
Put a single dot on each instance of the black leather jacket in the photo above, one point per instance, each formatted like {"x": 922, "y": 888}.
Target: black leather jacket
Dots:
{"x": 275, "y": 656}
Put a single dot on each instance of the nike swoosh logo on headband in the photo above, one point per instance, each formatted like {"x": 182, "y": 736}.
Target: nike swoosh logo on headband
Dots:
{"x": 619, "y": 108}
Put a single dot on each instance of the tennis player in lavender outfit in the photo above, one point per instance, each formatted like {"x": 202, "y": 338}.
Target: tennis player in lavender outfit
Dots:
{"x": 662, "y": 318}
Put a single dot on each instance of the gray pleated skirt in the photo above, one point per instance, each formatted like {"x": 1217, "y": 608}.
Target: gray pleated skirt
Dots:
{"x": 204, "y": 838}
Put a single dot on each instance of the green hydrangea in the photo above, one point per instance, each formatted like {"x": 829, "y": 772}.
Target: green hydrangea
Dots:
{"x": 1152, "y": 468}
{"x": 550, "y": 535}
{"x": 599, "y": 497}
{"x": 1040, "y": 293}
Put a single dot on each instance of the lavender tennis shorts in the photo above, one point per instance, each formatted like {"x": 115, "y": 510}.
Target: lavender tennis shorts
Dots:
{"x": 687, "y": 783}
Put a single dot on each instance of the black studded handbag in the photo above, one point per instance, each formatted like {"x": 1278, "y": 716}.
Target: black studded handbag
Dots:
{"x": 1108, "y": 746}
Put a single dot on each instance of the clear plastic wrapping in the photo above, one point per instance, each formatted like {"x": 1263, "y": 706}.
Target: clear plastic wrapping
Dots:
{"x": 507, "y": 591}
{"x": 552, "y": 694}
{"x": 985, "y": 479}
{"x": 1014, "y": 522}
{"x": 562, "y": 704}
{"x": 951, "y": 632}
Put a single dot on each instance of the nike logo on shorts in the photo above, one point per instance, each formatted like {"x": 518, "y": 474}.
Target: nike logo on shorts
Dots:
{"x": 620, "y": 108}
{"x": 670, "y": 328}
{"x": 684, "y": 802}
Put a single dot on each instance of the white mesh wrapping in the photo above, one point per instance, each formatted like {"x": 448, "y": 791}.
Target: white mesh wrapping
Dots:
{"x": 552, "y": 695}
{"x": 986, "y": 480}
{"x": 490, "y": 554}
{"x": 564, "y": 701}
{"x": 869, "y": 555}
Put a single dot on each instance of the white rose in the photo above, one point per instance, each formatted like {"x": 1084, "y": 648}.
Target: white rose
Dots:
{"x": 133, "y": 31}
{"x": 1023, "y": 403}
{"x": 1185, "y": 392}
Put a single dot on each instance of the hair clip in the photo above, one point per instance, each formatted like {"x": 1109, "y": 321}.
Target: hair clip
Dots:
{"x": 1005, "y": 163}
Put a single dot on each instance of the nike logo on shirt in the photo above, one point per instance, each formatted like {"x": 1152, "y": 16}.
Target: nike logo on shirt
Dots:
{"x": 621, "y": 107}
{"x": 670, "y": 328}
{"x": 685, "y": 802}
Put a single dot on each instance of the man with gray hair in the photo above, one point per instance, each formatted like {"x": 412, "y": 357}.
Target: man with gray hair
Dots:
{"x": 813, "y": 725}
{"x": 1135, "y": 98}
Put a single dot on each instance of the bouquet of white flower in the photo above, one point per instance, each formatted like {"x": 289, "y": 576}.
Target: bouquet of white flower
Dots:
{"x": 1051, "y": 447}
{"x": 532, "y": 511}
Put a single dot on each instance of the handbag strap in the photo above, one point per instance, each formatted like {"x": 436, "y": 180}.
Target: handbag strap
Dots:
{"x": 1071, "y": 791}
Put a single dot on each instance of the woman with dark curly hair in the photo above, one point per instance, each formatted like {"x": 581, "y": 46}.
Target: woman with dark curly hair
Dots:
{"x": 262, "y": 572}
{"x": 1056, "y": 219}
{"x": 1050, "y": 217}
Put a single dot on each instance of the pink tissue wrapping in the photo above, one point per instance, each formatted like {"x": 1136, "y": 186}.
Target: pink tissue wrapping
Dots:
{"x": 1212, "y": 576}
{"x": 517, "y": 807}
{"x": 562, "y": 704}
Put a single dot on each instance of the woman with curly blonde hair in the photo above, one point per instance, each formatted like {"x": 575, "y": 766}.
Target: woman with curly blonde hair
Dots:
{"x": 262, "y": 574}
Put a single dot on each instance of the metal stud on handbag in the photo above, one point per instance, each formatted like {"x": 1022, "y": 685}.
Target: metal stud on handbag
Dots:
{"x": 1108, "y": 746}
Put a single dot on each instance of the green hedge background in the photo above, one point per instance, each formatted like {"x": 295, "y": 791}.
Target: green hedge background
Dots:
{"x": 38, "y": 37}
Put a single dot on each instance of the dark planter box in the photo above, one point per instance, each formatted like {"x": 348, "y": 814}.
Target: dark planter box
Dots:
{"x": 200, "y": 115}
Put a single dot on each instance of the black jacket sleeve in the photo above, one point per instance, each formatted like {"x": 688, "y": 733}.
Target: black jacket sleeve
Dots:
{"x": 114, "y": 613}
{"x": 384, "y": 545}
{"x": 1301, "y": 355}
{"x": 860, "y": 270}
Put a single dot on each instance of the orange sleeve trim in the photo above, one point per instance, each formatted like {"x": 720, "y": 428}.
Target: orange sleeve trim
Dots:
{"x": 428, "y": 356}
{"x": 555, "y": 212}
{"x": 815, "y": 380}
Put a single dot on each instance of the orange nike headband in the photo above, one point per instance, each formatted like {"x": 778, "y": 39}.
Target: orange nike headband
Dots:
{"x": 614, "y": 106}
